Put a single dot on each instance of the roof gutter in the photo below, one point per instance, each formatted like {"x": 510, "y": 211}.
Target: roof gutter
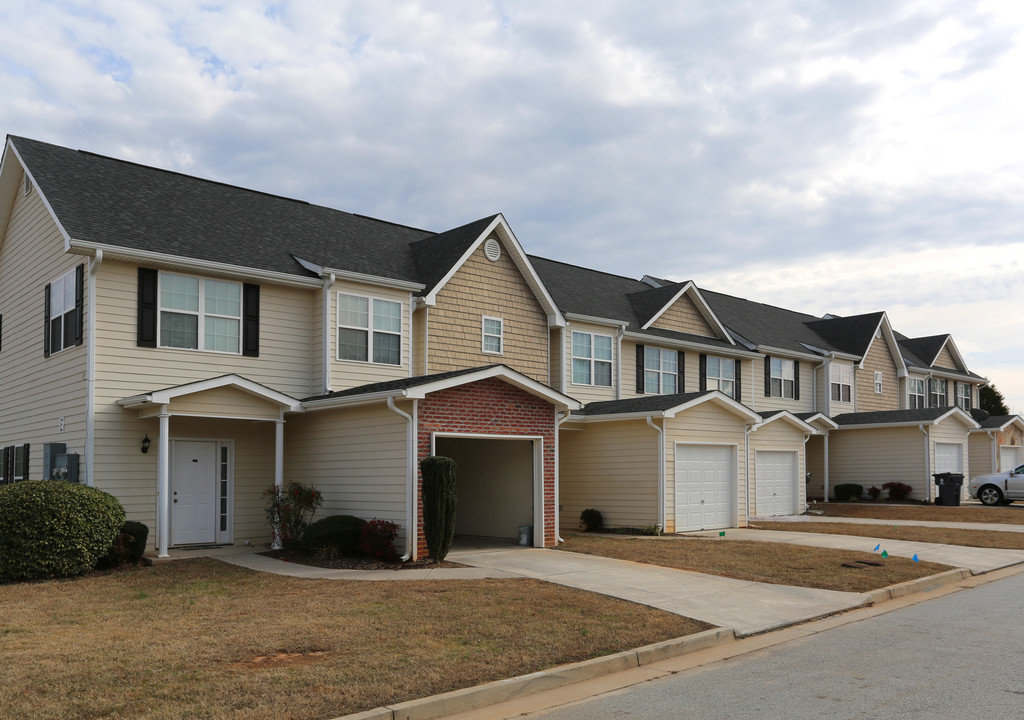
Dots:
{"x": 927, "y": 461}
{"x": 690, "y": 345}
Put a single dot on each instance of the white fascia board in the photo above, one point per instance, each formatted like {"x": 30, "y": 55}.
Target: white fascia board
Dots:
{"x": 612, "y": 417}
{"x": 718, "y": 398}
{"x": 954, "y": 351}
{"x": 687, "y": 345}
{"x": 46, "y": 203}
{"x": 960, "y": 415}
{"x": 823, "y": 419}
{"x": 1015, "y": 420}
{"x": 165, "y": 396}
{"x": 373, "y": 279}
{"x": 791, "y": 419}
{"x": 885, "y": 330}
{"x": 506, "y": 374}
{"x": 702, "y": 307}
{"x": 875, "y": 426}
{"x": 595, "y": 320}
{"x": 781, "y": 352}
{"x": 202, "y": 267}
{"x": 954, "y": 375}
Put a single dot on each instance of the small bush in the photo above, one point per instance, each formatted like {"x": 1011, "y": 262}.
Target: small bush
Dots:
{"x": 849, "y": 491}
{"x": 50, "y": 528}
{"x": 591, "y": 520}
{"x": 334, "y": 535}
{"x": 898, "y": 490}
{"x": 874, "y": 492}
{"x": 377, "y": 539}
{"x": 128, "y": 546}
{"x": 290, "y": 510}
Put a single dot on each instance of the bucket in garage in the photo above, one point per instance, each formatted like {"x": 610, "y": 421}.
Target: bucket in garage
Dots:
{"x": 526, "y": 535}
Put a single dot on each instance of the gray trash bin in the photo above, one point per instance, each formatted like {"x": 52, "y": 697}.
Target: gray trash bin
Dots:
{"x": 526, "y": 535}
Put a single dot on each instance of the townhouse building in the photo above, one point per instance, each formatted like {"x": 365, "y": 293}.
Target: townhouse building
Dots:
{"x": 185, "y": 344}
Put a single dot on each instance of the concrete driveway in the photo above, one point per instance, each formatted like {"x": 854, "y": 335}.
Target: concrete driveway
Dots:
{"x": 747, "y": 607}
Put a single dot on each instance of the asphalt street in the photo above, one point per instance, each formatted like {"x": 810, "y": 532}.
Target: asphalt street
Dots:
{"x": 954, "y": 657}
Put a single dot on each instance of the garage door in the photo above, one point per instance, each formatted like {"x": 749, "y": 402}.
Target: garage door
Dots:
{"x": 949, "y": 457}
{"x": 1010, "y": 457}
{"x": 705, "y": 486}
{"x": 776, "y": 482}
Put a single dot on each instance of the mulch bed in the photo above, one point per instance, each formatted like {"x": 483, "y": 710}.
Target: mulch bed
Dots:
{"x": 355, "y": 563}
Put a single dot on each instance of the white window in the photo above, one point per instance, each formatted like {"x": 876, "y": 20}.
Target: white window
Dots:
{"x": 963, "y": 399}
{"x": 915, "y": 393}
{"x": 369, "y": 329}
{"x": 936, "y": 393}
{"x": 200, "y": 314}
{"x": 660, "y": 371}
{"x": 782, "y": 376}
{"x": 63, "y": 315}
{"x": 878, "y": 383}
{"x": 842, "y": 382}
{"x": 721, "y": 375}
{"x": 591, "y": 359}
{"x": 493, "y": 335}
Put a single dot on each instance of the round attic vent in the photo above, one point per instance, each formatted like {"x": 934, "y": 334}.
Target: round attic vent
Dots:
{"x": 492, "y": 249}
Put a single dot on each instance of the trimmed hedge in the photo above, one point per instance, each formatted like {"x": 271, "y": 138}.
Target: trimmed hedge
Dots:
{"x": 51, "y": 528}
{"x": 335, "y": 534}
{"x": 846, "y": 491}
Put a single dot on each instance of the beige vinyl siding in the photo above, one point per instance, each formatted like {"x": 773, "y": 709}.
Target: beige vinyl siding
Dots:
{"x": 753, "y": 389}
{"x": 875, "y": 456}
{"x": 688, "y": 378}
{"x": 347, "y": 374}
{"x": 952, "y": 431}
{"x": 558, "y": 357}
{"x": 420, "y": 319}
{"x": 706, "y": 424}
{"x": 878, "y": 359}
{"x": 225, "y": 402}
{"x": 820, "y": 388}
{"x": 591, "y": 393}
{"x": 980, "y": 446}
{"x": 945, "y": 360}
{"x": 612, "y": 467}
{"x": 815, "y": 464}
{"x": 683, "y": 316}
{"x": 355, "y": 456}
{"x": 782, "y": 436}
{"x": 838, "y": 407}
{"x": 495, "y": 289}
{"x": 37, "y": 391}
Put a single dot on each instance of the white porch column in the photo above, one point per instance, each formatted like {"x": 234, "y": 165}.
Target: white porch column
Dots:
{"x": 278, "y": 467}
{"x": 163, "y": 483}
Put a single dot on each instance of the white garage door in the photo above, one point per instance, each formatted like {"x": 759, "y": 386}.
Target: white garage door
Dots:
{"x": 1010, "y": 457}
{"x": 705, "y": 486}
{"x": 776, "y": 482}
{"x": 949, "y": 457}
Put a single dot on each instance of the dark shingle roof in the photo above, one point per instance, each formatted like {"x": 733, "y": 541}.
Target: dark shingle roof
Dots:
{"x": 765, "y": 324}
{"x": 923, "y": 350}
{"x": 436, "y": 255}
{"x": 402, "y": 384}
{"x": 891, "y": 416}
{"x": 646, "y": 403}
{"x": 850, "y": 335}
{"x": 647, "y": 303}
{"x": 995, "y": 421}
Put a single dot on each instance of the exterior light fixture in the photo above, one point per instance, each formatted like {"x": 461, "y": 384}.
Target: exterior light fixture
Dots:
{"x": 145, "y": 444}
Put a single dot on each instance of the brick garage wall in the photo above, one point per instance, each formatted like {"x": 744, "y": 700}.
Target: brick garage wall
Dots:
{"x": 489, "y": 407}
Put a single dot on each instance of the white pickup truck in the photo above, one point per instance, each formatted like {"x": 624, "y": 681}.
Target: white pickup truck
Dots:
{"x": 998, "y": 488}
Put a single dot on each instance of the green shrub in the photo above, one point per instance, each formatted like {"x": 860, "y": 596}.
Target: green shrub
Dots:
{"x": 289, "y": 511}
{"x": 849, "y": 491}
{"x": 439, "y": 498}
{"x": 50, "y": 528}
{"x": 129, "y": 545}
{"x": 334, "y": 535}
{"x": 591, "y": 520}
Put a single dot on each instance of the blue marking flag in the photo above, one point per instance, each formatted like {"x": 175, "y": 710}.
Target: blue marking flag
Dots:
{"x": 877, "y": 546}
{"x": 915, "y": 558}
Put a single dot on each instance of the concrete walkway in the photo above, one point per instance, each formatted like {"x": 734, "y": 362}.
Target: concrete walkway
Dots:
{"x": 990, "y": 527}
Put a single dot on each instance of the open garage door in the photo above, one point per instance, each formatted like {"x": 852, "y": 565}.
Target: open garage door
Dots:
{"x": 496, "y": 481}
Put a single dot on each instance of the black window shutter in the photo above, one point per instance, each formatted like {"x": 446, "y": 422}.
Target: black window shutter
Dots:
{"x": 1, "y": 332}
{"x": 737, "y": 368}
{"x": 796, "y": 379}
{"x": 46, "y": 321}
{"x": 640, "y": 368}
{"x": 767, "y": 375}
{"x": 703, "y": 369}
{"x": 681, "y": 360}
{"x": 24, "y": 469}
{"x": 147, "y": 308}
{"x": 79, "y": 305}
{"x": 956, "y": 394}
{"x": 251, "y": 320}
{"x": 3, "y": 468}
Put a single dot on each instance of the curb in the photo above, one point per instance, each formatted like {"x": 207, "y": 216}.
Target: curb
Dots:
{"x": 458, "y": 701}
{"x": 919, "y": 585}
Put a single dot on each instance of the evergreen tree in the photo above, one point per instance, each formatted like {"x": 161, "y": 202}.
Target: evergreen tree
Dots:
{"x": 992, "y": 401}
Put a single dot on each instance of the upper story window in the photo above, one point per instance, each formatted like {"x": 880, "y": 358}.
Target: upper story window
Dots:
{"x": 936, "y": 393}
{"x": 878, "y": 383}
{"x": 963, "y": 399}
{"x": 591, "y": 359}
{"x": 200, "y": 314}
{"x": 63, "y": 311}
{"x": 721, "y": 375}
{"x": 782, "y": 378}
{"x": 369, "y": 329}
{"x": 915, "y": 393}
{"x": 841, "y": 380}
{"x": 661, "y": 368}
{"x": 493, "y": 331}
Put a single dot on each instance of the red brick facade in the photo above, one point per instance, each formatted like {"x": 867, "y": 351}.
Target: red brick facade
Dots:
{"x": 489, "y": 407}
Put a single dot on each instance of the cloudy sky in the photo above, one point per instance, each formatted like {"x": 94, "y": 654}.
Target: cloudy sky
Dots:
{"x": 827, "y": 156}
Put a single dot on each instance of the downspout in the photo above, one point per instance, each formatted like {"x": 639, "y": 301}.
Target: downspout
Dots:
{"x": 410, "y": 488}
{"x": 814, "y": 389}
{"x": 927, "y": 462}
{"x": 661, "y": 474}
{"x": 90, "y": 373}
{"x": 326, "y": 354}
{"x": 995, "y": 453}
{"x": 826, "y": 384}
{"x": 558, "y": 478}
{"x": 746, "y": 473}
{"x": 618, "y": 362}
{"x": 827, "y": 433}
{"x": 805, "y": 505}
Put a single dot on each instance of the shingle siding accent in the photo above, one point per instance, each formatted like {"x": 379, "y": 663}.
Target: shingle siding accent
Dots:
{"x": 683, "y": 316}
{"x": 945, "y": 360}
{"x": 878, "y": 359}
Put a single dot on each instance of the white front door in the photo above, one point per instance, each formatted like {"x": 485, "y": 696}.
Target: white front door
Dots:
{"x": 706, "y": 483}
{"x": 776, "y": 482}
{"x": 194, "y": 492}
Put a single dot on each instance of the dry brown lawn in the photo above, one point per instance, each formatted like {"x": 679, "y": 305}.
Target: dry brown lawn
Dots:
{"x": 1012, "y": 514}
{"x": 916, "y": 533}
{"x": 776, "y": 563}
{"x": 203, "y": 639}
